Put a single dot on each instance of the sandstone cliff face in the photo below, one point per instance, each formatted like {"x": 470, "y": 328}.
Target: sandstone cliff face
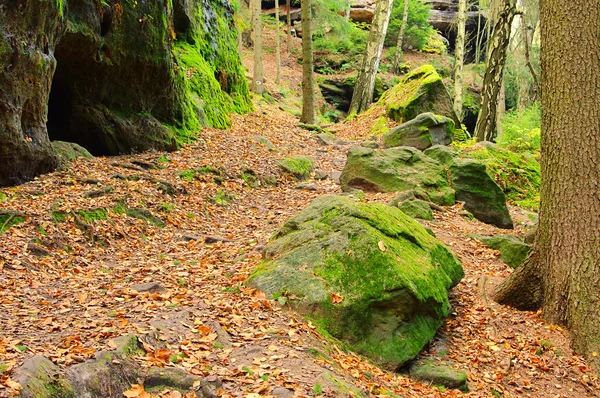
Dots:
{"x": 116, "y": 76}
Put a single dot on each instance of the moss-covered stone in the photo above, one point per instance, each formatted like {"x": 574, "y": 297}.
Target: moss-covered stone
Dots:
{"x": 517, "y": 173}
{"x": 299, "y": 166}
{"x": 390, "y": 276}
{"x": 482, "y": 196}
{"x": 422, "y": 90}
{"x": 512, "y": 249}
{"x": 443, "y": 154}
{"x": 416, "y": 208}
{"x": 9, "y": 219}
{"x": 40, "y": 378}
{"x": 69, "y": 152}
{"x": 421, "y": 132}
{"x": 439, "y": 374}
{"x": 396, "y": 169}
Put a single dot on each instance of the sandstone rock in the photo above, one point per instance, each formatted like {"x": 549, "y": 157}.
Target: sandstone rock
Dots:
{"x": 366, "y": 273}
{"x": 421, "y": 132}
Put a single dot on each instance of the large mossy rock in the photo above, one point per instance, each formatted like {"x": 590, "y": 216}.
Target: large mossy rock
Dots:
{"x": 421, "y": 132}
{"x": 115, "y": 77}
{"x": 366, "y": 274}
{"x": 482, "y": 196}
{"x": 395, "y": 170}
{"x": 422, "y": 90}
{"x": 512, "y": 249}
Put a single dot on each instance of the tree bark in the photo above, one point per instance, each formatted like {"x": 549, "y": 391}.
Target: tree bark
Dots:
{"x": 398, "y": 56}
{"x": 566, "y": 264}
{"x": 486, "y": 127}
{"x": 528, "y": 57}
{"x": 277, "y": 43}
{"x": 308, "y": 84}
{"x": 459, "y": 53}
{"x": 365, "y": 81}
{"x": 257, "y": 82}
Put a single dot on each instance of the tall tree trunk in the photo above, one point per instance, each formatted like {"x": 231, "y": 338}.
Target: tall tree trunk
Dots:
{"x": 485, "y": 129}
{"x": 289, "y": 27}
{"x": 534, "y": 75}
{"x": 479, "y": 39}
{"x": 459, "y": 53}
{"x": 308, "y": 84}
{"x": 365, "y": 82}
{"x": 398, "y": 56}
{"x": 257, "y": 82}
{"x": 277, "y": 43}
{"x": 563, "y": 274}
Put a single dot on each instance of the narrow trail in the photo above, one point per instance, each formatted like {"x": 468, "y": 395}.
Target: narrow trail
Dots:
{"x": 70, "y": 283}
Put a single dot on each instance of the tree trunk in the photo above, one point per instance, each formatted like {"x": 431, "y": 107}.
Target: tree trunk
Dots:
{"x": 289, "y": 28}
{"x": 257, "y": 83}
{"x": 398, "y": 56}
{"x": 277, "y": 43}
{"x": 485, "y": 129}
{"x": 479, "y": 38}
{"x": 565, "y": 267}
{"x": 528, "y": 58}
{"x": 365, "y": 82}
{"x": 459, "y": 53}
{"x": 308, "y": 84}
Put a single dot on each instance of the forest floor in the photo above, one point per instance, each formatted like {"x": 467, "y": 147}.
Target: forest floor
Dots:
{"x": 71, "y": 280}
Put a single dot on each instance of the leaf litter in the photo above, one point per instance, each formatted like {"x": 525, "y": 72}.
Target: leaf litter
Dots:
{"x": 179, "y": 288}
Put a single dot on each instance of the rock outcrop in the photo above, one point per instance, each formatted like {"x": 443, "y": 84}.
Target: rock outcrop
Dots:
{"x": 421, "y": 132}
{"x": 115, "y": 77}
{"x": 421, "y": 91}
{"x": 364, "y": 273}
{"x": 513, "y": 250}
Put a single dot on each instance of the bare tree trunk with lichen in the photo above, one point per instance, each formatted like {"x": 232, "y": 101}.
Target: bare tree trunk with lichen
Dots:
{"x": 365, "y": 82}
{"x": 563, "y": 273}
{"x": 289, "y": 27}
{"x": 399, "y": 42}
{"x": 459, "y": 53}
{"x": 257, "y": 82}
{"x": 486, "y": 127}
{"x": 308, "y": 84}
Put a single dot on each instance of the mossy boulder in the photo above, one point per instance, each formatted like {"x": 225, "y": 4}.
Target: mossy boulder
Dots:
{"x": 396, "y": 169}
{"x": 512, "y": 249}
{"x": 439, "y": 374}
{"x": 299, "y": 166}
{"x": 482, "y": 196}
{"x": 422, "y": 90}
{"x": 40, "y": 378}
{"x": 421, "y": 132}
{"x": 366, "y": 274}
{"x": 416, "y": 208}
{"x": 69, "y": 152}
{"x": 443, "y": 154}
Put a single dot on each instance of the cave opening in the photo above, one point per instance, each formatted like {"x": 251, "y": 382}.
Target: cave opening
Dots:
{"x": 60, "y": 107}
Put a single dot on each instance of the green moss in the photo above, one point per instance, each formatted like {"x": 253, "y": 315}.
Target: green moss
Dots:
{"x": 440, "y": 374}
{"x": 393, "y": 301}
{"x": 128, "y": 346}
{"x": 380, "y": 126}
{"x": 145, "y": 215}
{"x": 9, "y": 220}
{"x": 417, "y": 209}
{"x": 299, "y": 166}
{"x": 92, "y": 215}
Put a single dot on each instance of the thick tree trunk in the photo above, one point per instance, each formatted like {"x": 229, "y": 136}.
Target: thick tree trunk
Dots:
{"x": 277, "y": 43}
{"x": 566, "y": 264}
{"x": 459, "y": 53}
{"x": 398, "y": 56}
{"x": 308, "y": 84}
{"x": 257, "y": 82}
{"x": 486, "y": 127}
{"x": 365, "y": 82}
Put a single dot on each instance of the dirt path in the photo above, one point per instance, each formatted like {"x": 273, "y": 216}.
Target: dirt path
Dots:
{"x": 70, "y": 284}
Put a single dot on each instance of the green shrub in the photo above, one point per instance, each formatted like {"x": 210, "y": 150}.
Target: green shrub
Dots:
{"x": 418, "y": 30}
{"x": 521, "y": 129}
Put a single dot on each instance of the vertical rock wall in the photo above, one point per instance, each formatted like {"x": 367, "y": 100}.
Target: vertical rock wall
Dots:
{"x": 116, "y": 76}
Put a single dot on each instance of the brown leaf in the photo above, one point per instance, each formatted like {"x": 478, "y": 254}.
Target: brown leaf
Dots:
{"x": 381, "y": 245}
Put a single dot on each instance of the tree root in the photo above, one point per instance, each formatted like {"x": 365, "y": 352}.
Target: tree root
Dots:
{"x": 524, "y": 289}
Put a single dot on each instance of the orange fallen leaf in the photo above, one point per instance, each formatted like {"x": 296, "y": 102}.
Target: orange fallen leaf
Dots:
{"x": 336, "y": 298}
